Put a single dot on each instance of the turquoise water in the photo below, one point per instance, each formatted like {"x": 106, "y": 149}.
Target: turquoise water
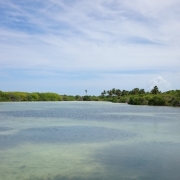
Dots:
{"x": 88, "y": 140}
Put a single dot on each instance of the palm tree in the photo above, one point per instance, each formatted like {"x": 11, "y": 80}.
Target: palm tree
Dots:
{"x": 155, "y": 90}
{"x": 103, "y": 93}
{"x": 141, "y": 91}
{"x": 124, "y": 92}
{"x": 135, "y": 91}
{"x": 113, "y": 91}
{"x": 118, "y": 92}
{"x": 109, "y": 93}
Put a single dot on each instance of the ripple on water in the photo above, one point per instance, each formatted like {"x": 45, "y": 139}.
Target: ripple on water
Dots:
{"x": 65, "y": 134}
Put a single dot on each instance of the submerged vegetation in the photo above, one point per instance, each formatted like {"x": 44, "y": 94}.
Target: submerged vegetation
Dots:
{"x": 135, "y": 97}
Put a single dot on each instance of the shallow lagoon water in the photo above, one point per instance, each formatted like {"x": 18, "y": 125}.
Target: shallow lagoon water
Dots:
{"x": 88, "y": 140}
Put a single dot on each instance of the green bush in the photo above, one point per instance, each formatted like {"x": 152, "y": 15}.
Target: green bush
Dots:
{"x": 87, "y": 98}
{"x": 174, "y": 101}
{"x": 138, "y": 101}
{"x": 157, "y": 101}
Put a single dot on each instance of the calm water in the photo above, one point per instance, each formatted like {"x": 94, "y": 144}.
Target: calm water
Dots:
{"x": 88, "y": 140}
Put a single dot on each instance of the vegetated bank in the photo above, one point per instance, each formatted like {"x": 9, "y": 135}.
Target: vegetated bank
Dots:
{"x": 36, "y": 96}
{"x": 139, "y": 97}
{"x": 135, "y": 97}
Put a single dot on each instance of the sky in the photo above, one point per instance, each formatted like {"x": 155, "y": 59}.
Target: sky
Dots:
{"x": 69, "y": 46}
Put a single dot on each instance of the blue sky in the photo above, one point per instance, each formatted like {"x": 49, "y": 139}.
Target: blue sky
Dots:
{"x": 68, "y": 46}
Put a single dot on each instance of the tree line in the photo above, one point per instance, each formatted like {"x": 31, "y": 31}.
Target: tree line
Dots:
{"x": 134, "y": 97}
{"x": 24, "y": 96}
{"x": 135, "y": 91}
{"x": 139, "y": 97}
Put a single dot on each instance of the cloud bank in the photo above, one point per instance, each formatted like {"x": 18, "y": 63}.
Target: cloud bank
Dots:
{"x": 84, "y": 44}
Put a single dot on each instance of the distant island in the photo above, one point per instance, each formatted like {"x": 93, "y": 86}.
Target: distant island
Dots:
{"x": 135, "y": 97}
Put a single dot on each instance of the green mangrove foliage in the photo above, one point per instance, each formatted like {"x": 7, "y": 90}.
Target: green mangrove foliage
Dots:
{"x": 24, "y": 96}
{"x": 135, "y": 97}
{"x": 139, "y": 97}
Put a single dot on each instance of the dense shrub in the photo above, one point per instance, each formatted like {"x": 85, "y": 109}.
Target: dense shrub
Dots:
{"x": 134, "y": 97}
{"x": 157, "y": 101}
{"x": 174, "y": 101}
{"x": 138, "y": 101}
{"x": 87, "y": 98}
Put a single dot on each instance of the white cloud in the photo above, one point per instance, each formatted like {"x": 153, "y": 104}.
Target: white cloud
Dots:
{"x": 162, "y": 84}
{"x": 96, "y": 36}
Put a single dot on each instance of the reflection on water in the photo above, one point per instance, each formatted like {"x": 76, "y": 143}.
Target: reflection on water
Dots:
{"x": 88, "y": 140}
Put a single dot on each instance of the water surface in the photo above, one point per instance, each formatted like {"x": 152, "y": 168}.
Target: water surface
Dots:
{"x": 88, "y": 140}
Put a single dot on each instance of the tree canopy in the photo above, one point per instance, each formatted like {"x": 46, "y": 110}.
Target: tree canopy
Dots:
{"x": 135, "y": 96}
